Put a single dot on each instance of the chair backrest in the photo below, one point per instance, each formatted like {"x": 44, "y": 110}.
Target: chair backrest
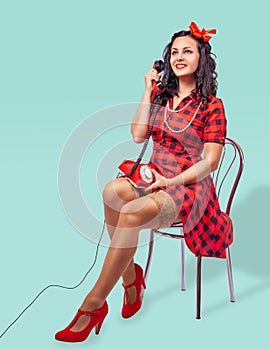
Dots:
{"x": 229, "y": 171}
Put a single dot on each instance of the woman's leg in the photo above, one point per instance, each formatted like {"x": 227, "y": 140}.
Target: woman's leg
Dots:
{"x": 135, "y": 215}
{"x": 117, "y": 193}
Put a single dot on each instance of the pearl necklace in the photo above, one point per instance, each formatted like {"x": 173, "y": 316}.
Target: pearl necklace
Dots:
{"x": 171, "y": 110}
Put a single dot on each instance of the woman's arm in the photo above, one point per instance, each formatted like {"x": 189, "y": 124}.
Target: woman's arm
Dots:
{"x": 200, "y": 170}
{"x": 139, "y": 126}
{"x": 197, "y": 172}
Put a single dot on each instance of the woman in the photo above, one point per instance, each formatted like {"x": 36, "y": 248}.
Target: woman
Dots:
{"x": 190, "y": 121}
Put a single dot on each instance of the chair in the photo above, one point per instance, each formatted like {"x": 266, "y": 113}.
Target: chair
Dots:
{"x": 237, "y": 159}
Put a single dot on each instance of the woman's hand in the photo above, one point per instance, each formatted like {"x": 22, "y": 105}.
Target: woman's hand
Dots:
{"x": 150, "y": 76}
{"x": 160, "y": 181}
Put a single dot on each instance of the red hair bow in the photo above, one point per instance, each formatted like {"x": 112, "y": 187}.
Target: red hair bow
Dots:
{"x": 195, "y": 31}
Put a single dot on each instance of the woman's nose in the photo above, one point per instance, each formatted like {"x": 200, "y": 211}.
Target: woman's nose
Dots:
{"x": 179, "y": 57}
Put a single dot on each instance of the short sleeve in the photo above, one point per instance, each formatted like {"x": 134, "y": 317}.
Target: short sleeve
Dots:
{"x": 215, "y": 127}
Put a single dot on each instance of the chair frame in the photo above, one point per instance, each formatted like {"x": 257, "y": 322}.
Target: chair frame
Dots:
{"x": 238, "y": 153}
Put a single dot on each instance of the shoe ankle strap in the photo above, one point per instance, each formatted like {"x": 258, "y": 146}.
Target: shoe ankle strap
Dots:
{"x": 93, "y": 312}
{"x": 126, "y": 286}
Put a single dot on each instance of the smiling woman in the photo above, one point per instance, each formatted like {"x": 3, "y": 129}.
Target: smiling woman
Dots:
{"x": 188, "y": 129}
{"x": 184, "y": 57}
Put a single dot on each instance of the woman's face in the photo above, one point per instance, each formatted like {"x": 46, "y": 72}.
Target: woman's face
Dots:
{"x": 184, "y": 56}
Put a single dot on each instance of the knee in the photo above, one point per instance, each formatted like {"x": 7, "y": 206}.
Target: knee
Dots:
{"x": 118, "y": 192}
{"x": 128, "y": 217}
{"x": 108, "y": 194}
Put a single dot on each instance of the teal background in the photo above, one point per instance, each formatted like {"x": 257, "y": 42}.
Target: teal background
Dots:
{"x": 61, "y": 61}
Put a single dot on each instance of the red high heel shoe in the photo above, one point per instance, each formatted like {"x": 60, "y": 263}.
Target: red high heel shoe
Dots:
{"x": 97, "y": 318}
{"x": 129, "y": 310}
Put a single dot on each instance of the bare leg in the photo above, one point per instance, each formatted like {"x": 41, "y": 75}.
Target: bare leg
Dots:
{"x": 112, "y": 218}
{"x": 135, "y": 215}
{"x": 115, "y": 195}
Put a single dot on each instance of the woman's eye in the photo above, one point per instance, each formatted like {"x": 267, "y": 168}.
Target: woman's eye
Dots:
{"x": 174, "y": 53}
{"x": 188, "y": 51}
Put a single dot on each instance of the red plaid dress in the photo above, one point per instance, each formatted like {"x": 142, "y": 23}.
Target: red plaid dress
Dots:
{"x": 208, "y": 231}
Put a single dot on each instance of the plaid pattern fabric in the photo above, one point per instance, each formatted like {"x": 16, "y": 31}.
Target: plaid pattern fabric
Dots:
{"x": 208, "y": 231}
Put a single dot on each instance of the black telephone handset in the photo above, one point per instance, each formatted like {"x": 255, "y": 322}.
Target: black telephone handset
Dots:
{"x": 159, "y": 67}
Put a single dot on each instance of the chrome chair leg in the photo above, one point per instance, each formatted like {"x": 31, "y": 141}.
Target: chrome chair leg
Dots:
{"x": 147, "y": 267}
{"x": 229, "y": 269}
{"x": 183, "y": 267}
{"x": 198, "y": 282}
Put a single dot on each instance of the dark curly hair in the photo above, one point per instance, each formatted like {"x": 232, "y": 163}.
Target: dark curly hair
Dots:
{"x": 206, "y": 83}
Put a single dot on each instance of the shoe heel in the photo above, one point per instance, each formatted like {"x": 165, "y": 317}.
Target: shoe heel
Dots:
{"x": 98, "y": 326}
